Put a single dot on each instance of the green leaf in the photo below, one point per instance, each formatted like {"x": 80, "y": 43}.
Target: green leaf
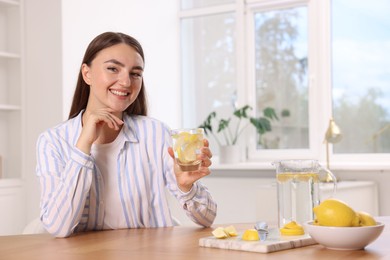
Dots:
{"x": 242, "y": 112}
{"x": 270, "y": 113}
{"x": 223, "y": 124}
{"x": 207, "y": 126}
{"x": 285, "y": 113}
{"x": 262, "y": 125}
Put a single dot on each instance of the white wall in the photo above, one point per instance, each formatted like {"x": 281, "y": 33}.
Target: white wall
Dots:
{"x": 43, "y": 77}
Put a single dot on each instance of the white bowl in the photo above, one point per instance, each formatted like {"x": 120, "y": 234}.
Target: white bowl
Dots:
{"x": 344, "y": 238}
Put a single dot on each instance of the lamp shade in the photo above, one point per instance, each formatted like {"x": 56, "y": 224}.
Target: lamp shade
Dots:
{"x": 333, "y": 133}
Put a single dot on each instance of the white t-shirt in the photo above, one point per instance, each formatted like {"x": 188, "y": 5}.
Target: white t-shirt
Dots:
{"x": 107, "y": 164}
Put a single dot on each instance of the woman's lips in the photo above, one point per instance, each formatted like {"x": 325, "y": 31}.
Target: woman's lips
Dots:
{"x": 119, "y": 93}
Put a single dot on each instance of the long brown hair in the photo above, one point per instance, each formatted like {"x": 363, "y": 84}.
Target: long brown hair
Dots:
{"x": 103, "y": 41}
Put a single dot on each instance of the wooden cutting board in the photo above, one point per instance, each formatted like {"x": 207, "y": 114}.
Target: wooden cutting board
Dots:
{"x": 273, "y": 242}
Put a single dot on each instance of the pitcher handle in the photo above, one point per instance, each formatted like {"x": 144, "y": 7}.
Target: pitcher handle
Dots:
{"x": 333, "y": 179}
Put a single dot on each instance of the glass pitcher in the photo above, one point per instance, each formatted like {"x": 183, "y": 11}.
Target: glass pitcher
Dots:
{"x": 298, "y": 189}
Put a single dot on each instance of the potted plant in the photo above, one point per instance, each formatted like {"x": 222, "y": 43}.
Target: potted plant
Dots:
{"x": 227, "y": 135}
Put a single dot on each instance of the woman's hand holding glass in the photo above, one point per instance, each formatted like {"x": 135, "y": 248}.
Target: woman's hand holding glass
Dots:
{"x": 185, "y": 179}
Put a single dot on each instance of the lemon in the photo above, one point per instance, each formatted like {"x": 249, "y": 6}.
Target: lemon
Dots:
{"x": 231, "y": 231}
{"x": 189, "y": 152}
{"x": 219, "y": 233}
{"x": 292, "y": 229}
{"x": 366, "y": 219}
{"x": 336, "y": 213}
{"x": 187, "y": 146}
{"x": 251, "y": 235}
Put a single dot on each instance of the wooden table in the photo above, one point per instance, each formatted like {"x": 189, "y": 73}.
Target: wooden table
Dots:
{"x": 165, "y": 243}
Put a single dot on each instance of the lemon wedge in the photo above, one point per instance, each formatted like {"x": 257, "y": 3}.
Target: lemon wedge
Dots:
{"x": 231, "y": 231}
{"x": 219, "y": 233}
{"x": 222, "y": 232}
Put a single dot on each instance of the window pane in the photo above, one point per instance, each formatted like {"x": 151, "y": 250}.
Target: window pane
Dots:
{"x": 281, "y": 76}
{"x": 361, "y": 75}
{"x": 208, "y": 66}
{"x": 190, "y": 4}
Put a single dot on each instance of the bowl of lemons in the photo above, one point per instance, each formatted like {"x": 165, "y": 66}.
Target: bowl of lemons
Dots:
{"x": 338, "y": 226}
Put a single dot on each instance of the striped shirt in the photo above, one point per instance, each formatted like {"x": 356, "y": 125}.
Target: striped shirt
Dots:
{"x": 72, "y": 186}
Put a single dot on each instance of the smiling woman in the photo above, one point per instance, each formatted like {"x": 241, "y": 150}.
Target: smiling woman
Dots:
{"x": 107, "y": 167}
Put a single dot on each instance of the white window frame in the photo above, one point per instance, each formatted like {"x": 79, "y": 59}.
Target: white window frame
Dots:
{"x": 319, "y": 85}
{"x": 255, "y": 154}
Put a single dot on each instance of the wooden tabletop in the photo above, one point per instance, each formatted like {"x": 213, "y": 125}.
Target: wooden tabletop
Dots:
{"x": 165, "y": 243}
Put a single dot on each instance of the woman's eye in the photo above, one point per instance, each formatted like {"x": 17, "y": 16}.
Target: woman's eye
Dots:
{"x": 135, "y": 75}
{"x": 112, "y": 69}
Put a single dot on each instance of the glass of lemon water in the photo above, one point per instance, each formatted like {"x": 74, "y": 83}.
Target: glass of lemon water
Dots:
{"x": 187, "y": 145}
{"x": 298, "y": 189}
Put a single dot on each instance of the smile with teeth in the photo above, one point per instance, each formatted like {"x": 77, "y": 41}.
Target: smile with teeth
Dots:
{"x": 119, "y": 93}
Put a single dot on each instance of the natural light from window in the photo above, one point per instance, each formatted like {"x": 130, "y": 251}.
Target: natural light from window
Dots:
{"x": 281, "y": 76}
{"x": 361, "y": 75}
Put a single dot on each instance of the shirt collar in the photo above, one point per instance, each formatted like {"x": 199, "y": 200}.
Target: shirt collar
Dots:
{"x": 129, "y": 129}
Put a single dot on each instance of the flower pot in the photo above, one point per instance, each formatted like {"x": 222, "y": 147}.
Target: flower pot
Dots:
{"x": 229, "y": 154}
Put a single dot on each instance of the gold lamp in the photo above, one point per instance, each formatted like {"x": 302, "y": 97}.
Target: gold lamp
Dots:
{"x": 332, "y": 135}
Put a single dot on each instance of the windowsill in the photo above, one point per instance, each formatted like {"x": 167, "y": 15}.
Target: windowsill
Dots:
{"x": 267, "y": 165}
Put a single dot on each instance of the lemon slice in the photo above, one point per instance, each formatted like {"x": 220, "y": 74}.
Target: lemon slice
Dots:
{"x": 231, "y": 231}
{"x": 219, "y": 233}
{"x": 187, "y": 146}
{"x": 188, "y": 153}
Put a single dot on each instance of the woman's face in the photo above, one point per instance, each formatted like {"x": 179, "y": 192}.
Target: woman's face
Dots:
{"x": 114, "y": 77}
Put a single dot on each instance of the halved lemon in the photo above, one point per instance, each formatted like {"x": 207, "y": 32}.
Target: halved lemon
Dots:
{"x": 292, "y": 229}
{"x": 251, "y": 235}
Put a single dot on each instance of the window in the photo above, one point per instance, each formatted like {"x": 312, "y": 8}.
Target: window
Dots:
{"x": 309, "y": 60}
{"x": 191, "y": 4}
{"x": 281, "y": 52}
{"x": 209, "y": 65}
{"x": 361, "y": 75}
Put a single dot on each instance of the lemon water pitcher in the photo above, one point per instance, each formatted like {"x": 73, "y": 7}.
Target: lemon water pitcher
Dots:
{"x": 298, "y": 189}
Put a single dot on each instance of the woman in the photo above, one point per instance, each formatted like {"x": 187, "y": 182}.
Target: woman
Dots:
{"x": 107, "y": 166}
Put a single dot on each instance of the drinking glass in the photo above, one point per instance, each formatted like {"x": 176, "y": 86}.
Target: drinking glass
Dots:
{"x": 187, "y": 145}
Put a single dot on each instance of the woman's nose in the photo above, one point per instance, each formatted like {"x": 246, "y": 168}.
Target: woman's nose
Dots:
{"x": 124, "y": 79}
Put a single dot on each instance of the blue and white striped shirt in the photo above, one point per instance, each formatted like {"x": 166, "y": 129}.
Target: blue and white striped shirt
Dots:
{"x": 72, "y": 187}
